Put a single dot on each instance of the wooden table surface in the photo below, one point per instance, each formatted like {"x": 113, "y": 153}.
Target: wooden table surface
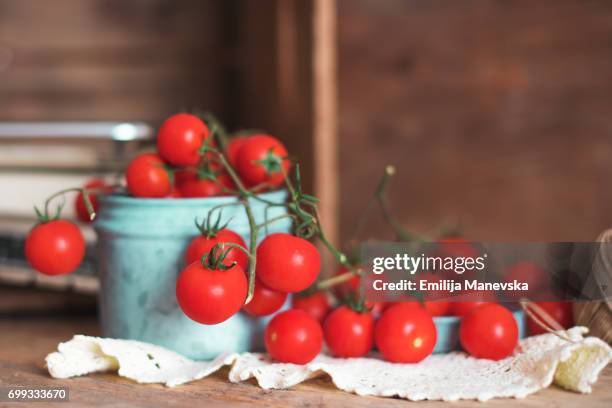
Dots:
{"x": 26, "y": 340}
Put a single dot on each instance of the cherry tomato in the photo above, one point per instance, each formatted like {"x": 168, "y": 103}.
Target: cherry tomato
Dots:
{"x": 377, "y": 308}
{"x": 349, "y": 333}
{"x": 147, "y": 177}
{"x": 79, "y": 203}
{"x": 232, "y": 148}
{"x": 199, "y": 187}
{"x": 262, "y": 159}
{"x": 434, "y": 308}
{"x": 211, "y": 296}
{"x": 315, "y": 304}
{"x": 405, "y": 334}
{"x": 348, "y": 287}
{"x": 462, "y": 309}
{"x": 200, "y": 246}
{"x": 293, "y": 336}
{"x": 265, "y": 300}
{"x": 489, "y": 331}
{"x": 174, "y": 193}
{"x": 536, "y": 277}
{"x": 560, "y": 311}
{"x": 180, "y": 137}
{"x": 287, "y": 263}
{"x": 455, "y": 247}
{"x": 55, "y": 247}
{"x": 190, "y": 185}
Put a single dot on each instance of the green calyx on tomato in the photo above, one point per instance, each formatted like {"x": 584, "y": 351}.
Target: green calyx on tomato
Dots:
{"x": 272, "y": 163}
{"x": 209, "y": 228}
{"x": 214, "y": 259}
{"x": 355, "y": 302}
{"x": 45, "y": 217}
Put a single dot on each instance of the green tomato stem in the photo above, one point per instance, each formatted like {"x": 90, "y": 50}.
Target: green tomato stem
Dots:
{"x": 337, "y": 280}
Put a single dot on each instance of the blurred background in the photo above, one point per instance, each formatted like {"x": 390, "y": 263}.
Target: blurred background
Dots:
{"x": 497, "y": 114}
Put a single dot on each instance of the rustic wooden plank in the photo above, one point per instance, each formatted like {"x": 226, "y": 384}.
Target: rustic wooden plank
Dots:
{"x": 325, "y": 115}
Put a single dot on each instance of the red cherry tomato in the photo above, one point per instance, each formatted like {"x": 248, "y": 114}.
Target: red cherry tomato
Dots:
{"x": 293, "y": 336}
{"x": 200, "y": 187}
{"x": 405, "y": 334}
{"x": 200, "y": 246}
{"x": 147, "y": 177}
{"x": 262, "y": 159}
{"x": 287, "y": 263}
{"x": 180, "y": 137}
{"x": 191, "y": 186}
{"x": 232, "y": 148}
{"x": 315, "y": 304}
{"x": 348, "y": 287}
{"x": 227, "y": 184}
{"x": 349, "y": 333}
{"x": 265, "y": 300}
{"x": 174, "y": 193}
{"x": 560, "y": 311}
{"x": 462, "y": 309}
{"x": 536, "y": 277}
{"x": 55, "y": 247}
{"x": 211, "y": 296}
{"x": 79, "y": 203}
{"x": 489, "y": 331}
{"x": 434, "y": 308}
{"x": 455, "y": 247}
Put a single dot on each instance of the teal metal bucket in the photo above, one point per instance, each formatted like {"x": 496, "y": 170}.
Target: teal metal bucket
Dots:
{"x": 141, "y": 245}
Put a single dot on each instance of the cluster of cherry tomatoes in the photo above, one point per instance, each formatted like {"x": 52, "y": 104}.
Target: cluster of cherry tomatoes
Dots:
{"x": 210, "y": 295}
{"x": 215, "y": 286}
{"x": 56, "y": 246}
{"x": 180, "y": 169}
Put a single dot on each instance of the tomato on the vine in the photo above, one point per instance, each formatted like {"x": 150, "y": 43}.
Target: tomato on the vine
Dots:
{"x": 405, "y": 334}
{"x": 174, "y": 193}
{"x": 561, "y": 312}
{"x": 233, "y": 147}
{"x": 315, "y": 304}
{"x": 211, "y": 296}
{"x": 192, "y": 185}
{"x": 349, "y": 333}
{"x": 79, "y": 203}
{"x": 456, "y": 246}
{"x": 201, "y": 245}
{"x": 348, "y": 287}
{"x": 489, "y": 331}
{"x": 147, "y": 176}
{"x": 55, "y": 247}
{"x": 262, "y": 159}
{"x": 265, "y": 300}
{"x": 536, "y": 277}
{"x": 462, "y": 309}
{"x": 287, "y": 263}
{"x": 179, "y": 139}
{"x": 433, "y": 307}
{"x": 200, "y": 187}
{"x": 293, "y": 336}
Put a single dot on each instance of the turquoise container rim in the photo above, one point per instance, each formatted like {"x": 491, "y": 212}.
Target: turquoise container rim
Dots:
{"x": 124, "y": 198}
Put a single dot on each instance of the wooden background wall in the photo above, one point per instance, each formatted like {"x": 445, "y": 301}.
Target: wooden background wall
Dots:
{"x": 497, "y": 114}
{"x": 110, "y": 59}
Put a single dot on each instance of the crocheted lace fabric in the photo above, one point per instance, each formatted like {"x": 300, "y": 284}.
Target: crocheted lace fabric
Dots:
{"x": 537, "y": 362}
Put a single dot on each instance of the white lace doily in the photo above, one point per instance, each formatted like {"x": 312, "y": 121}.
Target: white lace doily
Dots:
{"x": 537, "y": 362}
